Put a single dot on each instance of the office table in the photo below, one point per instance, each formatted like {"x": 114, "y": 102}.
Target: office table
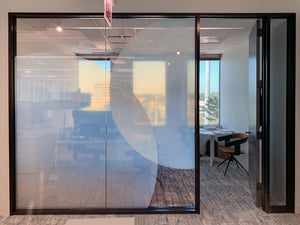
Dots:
{"x": 213, "y": 133}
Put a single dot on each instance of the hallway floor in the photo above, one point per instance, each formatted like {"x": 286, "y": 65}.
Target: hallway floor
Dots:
{"x": 224, "y": 201}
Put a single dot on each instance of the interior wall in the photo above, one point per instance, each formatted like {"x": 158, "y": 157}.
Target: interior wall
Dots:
{"x": 198, "y": 6}
{"x": 4, "y": 150}
{"x": 234, "y": 89}
{"x": 234, "y": 92}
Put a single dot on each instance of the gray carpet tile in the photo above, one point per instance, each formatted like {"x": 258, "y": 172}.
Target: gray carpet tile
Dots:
{"x": 224, "y": 201}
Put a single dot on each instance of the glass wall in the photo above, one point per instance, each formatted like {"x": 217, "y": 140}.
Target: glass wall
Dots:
{"x": 102, "y": 114}
{"x": 151, "y": 94}
{"x": 278, "y": 114}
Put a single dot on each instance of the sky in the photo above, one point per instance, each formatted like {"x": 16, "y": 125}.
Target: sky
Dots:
{"x": 214, "y": 75}
{"x": 103, "y": 63}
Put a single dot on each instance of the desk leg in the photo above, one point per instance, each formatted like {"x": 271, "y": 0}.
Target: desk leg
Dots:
{"x": 212, "y": 150}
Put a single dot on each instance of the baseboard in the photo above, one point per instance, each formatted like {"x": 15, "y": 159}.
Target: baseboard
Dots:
{"x": 297, "y": 209}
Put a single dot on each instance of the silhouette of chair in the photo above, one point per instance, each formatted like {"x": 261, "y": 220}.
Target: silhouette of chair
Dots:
{"x": 232, "y": 147}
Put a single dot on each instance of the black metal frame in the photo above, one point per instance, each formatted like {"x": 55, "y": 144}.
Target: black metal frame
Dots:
{"x": 194, "y": 209}
{"x": 290, "y": 114}
{"x": 230, "y": 159}
{"x": 12, "y": 122}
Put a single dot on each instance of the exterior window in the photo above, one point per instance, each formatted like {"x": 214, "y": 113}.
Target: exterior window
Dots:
{"x": 209, "y": 92}
{"x": 94, "y": 81}
{"x": 191, "y": 94}
{"x": 150, "y": 89}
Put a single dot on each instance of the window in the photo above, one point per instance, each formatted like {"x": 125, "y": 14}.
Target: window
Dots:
{"x": 94, "y": 81}
{"x": 209, "y": 92}
{"x": 150, "y": 89}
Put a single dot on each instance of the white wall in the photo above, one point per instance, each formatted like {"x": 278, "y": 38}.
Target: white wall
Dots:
{"x": 234, "y": 93}
{"x": 205, "y": 6}
{"x": 234, "y": 89}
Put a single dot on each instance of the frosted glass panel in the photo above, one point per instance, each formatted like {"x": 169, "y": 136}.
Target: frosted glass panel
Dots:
{"x": 104, "y": 117}
{"x": 278, "y": 76}
{"x": 149, "y": 86}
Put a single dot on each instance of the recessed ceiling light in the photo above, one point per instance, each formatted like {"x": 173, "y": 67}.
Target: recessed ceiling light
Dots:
{"x": 59, "y": 29}
{"x": 178, "y": 53}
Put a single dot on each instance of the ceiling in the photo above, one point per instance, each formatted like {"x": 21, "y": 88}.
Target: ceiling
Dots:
{"x": 90, "y": 36}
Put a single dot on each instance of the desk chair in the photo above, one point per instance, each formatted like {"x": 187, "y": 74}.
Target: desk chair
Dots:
{"x": 232, "y": 147}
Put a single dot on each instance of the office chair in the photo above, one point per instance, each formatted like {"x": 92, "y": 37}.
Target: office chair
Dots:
{"x": 232, "y": 147}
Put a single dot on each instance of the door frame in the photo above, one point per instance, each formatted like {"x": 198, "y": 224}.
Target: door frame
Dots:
{"x": 290, "y": 114}
{"x": 265, "y": 106}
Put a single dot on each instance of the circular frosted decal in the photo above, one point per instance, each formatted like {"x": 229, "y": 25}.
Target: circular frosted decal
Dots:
{"x": 132, "y": 121}
{"x": 148, "y": 100}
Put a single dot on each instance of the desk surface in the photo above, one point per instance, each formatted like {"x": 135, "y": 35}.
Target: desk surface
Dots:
{"x": 215, "y": 131}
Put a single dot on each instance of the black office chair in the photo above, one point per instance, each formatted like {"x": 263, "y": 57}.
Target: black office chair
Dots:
{"x": 232, "y": 147}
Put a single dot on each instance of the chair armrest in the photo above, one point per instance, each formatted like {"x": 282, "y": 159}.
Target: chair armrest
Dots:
{"x": 225, "y": 138}
{"x": 235, "y": 142}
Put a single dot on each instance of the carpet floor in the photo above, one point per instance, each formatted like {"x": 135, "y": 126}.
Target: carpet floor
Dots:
{"x": 223, "y": 201}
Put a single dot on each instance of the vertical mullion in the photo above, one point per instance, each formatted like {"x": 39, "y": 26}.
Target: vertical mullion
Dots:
{"x": 197, "y": 135}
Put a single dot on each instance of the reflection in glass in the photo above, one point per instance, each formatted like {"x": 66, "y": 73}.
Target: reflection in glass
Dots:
{"x": 191, "y": 93}
{"x": 93, "y": 132}
{"x": 149, "y": 86}
{"x": 94, "y": 80}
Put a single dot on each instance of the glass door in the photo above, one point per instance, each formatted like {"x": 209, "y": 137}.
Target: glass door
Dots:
{"x": 271, "y": 163}
{"x": 255, "y": 125}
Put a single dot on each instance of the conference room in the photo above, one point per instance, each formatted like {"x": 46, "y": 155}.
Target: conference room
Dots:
{"x": 117, "y": 118}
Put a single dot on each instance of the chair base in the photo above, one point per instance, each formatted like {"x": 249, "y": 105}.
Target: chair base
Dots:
{"x": 230, "y": 159}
